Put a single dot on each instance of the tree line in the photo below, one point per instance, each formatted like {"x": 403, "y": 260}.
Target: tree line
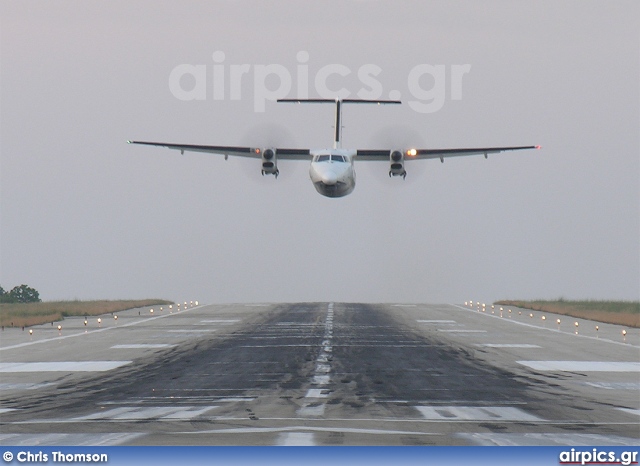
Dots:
{"x": 19, "y": 294}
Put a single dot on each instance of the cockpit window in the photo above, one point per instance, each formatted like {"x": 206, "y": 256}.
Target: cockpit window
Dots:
{"x": 333, "y": 158}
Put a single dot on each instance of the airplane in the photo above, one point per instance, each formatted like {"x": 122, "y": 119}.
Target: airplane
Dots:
{"x": 332, "y": 171}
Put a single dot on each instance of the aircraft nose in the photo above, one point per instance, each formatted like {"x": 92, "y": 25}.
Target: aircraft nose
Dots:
{"x": 329, "y": 178}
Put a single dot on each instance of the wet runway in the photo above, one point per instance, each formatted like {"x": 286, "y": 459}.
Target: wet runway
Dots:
{"x": 321, "y": 374}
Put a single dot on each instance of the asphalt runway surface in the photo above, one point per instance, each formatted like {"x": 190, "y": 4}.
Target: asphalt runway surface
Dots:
{"x": 321, "y": 374}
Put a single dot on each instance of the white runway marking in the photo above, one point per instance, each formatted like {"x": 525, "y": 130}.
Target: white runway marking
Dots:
{"x": 78, "y": 440}
{"x": 295, "y": 439}
{"x": 220, "y": 321}
{"x": 436, "y": 321}
{"x": 295, "y": 324}
{"x": 142, "y": 346}
{"x": 24, "y": 386}
{"x": 61, "y": 366}
{"x": 615, "y": 385}
{"x": 535, "y": 439}
{"x": 323, "y": 368}
{"x": 630, "y": 411}
{"x": 321, "y": 380}
{"x": 507, "y": 345}
{"x": 346, "y": 430}
{"x": 317, "y": 393}
{"x": 473, "y": 413}
{"x": 127, "y": 413}
{"x": 192, "y": 331}
{"x": 6, "y": 410}
{"x": 582, "y": 366}
{"x": 460, "y": 331}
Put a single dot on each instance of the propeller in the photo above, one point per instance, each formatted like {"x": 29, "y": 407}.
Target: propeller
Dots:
{"x": 265, "y": 135}
{"x": 400, "y": 137}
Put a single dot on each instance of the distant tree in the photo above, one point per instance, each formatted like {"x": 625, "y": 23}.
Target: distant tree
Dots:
{"x": 24, "y": 294}
{"x": 5, "y": 297}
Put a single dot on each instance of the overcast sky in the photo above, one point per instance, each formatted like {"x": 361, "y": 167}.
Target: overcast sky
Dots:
{"x": 84, "y": 215}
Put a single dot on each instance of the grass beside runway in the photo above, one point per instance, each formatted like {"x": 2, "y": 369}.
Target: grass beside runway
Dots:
{"x": 612, "y": 312}
{"x": 28, "y": 314}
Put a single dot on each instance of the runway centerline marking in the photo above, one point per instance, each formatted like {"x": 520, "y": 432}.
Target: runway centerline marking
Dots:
{"x": 323, "y": 368}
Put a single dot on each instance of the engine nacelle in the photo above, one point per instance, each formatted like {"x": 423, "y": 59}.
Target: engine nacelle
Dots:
{"x": 396, "y": 160}
{"x": 270, "y": 162}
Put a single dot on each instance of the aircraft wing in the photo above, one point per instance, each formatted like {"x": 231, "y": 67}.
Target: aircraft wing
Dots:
{"x": 383, "y": 155}
{"x": 253, "y": 152}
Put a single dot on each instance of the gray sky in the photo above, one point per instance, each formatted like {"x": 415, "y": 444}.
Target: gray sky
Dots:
{"x": 84, "y": 215}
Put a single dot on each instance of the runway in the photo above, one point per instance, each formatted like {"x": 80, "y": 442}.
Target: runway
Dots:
{"x": 321, "y": 374}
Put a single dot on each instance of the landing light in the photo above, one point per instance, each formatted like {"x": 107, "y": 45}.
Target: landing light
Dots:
{"x": 59, "y": 327}
{"x": 412, "y": 152}
{"x": 30, "y": 332}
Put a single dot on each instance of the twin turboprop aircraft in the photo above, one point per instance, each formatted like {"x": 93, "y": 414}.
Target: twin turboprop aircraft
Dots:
{"x": 332, "y": 170}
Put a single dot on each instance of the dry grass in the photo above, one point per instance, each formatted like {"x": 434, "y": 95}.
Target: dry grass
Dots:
{"x": 27, "y": 314}
{"x": 613, "y": 312}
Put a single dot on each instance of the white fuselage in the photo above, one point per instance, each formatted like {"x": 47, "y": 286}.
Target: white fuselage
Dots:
{"x": 332, "y": 172}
